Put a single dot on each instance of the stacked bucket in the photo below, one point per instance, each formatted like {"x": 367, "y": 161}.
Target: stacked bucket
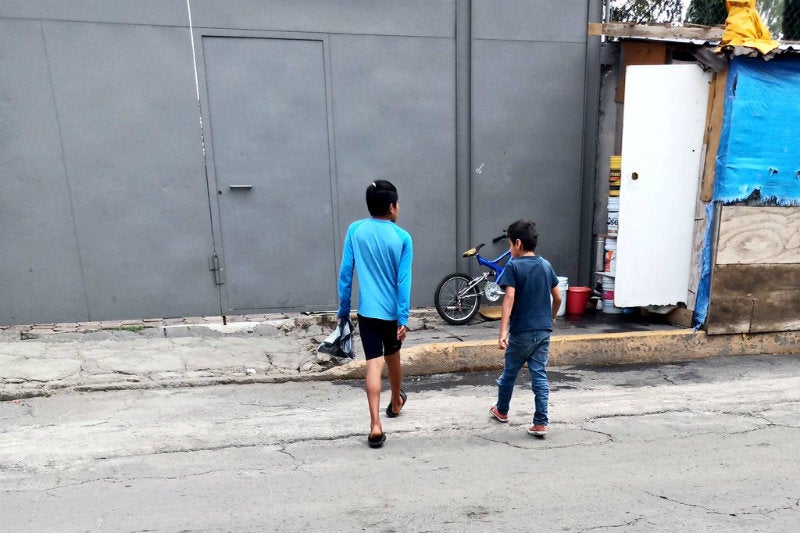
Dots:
{"x": 614, "y": 175}
{"x": 610, "y": 257}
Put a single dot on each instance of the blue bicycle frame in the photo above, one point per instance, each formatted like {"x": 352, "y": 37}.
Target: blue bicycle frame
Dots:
{"x": 458, "y": 296}
{"x": 498, "y": 269}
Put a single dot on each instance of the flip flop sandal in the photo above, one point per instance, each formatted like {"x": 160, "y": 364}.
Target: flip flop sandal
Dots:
{"x": 392, "y": 414}
{"x": 376, "y": 441}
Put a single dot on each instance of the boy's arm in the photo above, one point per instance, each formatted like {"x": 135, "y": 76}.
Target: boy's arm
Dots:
{"x": 346, "y": 278}
{"x": 508, "y": 305}
{"x": 404, "y": 283}
{"x": 556, "y": 292}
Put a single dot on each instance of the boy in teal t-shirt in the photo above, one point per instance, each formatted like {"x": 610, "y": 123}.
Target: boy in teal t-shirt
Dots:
{"x": 526, "y": 322}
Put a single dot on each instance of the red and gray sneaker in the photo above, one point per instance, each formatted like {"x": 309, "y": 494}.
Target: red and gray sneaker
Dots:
{"x": 497, "y": 414}
{"x": 537, "y": 430}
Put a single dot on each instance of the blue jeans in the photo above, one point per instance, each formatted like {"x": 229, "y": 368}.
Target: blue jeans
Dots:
{"x": 532, "y": 348}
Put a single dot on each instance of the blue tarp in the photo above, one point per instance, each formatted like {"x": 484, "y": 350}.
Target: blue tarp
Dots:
{"x": 759, "y": 150}
{"x": 758, "y": 160}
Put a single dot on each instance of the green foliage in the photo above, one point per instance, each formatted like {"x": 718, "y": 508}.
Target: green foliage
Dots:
{"x": 132, "y": 329}
{"x": 646, "y": 11}
{"x": 707, "y": 12}
{"x": 791, "y": 20}
{"x": 782, "y": 17}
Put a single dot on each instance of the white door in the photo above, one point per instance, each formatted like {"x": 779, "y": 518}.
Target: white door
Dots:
{"x": 662, "y": 150}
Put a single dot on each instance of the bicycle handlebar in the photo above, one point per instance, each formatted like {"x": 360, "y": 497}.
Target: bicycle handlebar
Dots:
{"x": 500, "y": 238}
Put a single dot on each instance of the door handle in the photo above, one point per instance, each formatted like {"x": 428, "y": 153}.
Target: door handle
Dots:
{"x": 232, "y": 187}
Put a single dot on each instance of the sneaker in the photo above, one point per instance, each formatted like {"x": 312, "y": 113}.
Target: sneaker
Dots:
{"x": 537, "y": 430}
{"x": 497, "y": 414}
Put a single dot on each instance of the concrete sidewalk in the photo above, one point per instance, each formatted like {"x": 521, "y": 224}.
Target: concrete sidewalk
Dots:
{"x": 41, "y": 360}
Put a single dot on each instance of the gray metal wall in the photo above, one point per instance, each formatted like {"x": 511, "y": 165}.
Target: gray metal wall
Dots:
{"x": 114, "y": 198}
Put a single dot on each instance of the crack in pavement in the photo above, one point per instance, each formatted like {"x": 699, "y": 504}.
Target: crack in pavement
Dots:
{"x": 696, "y": 506}
{"x": 59, "y": 486}
{"x": 793, "y": 507}
{"x": 199, "y": 449}
{"x": 607, "y": 435}
{"x": 282, "y": 449}
{"x": 502, "y": 442}
{"x": 614, "y": 526}
{"x": 643, "y": 413}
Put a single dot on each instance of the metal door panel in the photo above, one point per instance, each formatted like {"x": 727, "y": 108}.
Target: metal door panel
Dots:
{"x": 395, "y": 117}
{"x": 527, "y": 144}
{"x": 269, "y": 128}
{"x": 39, "y": 261}
{"x": 127, "y": 109}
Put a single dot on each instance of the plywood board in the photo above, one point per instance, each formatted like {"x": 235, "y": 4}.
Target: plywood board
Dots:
{"x": 759, "y": 235}
{"x": 754, "y": 298}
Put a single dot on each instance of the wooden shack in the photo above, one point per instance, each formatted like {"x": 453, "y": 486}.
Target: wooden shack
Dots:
{"x": 745, "y": 265}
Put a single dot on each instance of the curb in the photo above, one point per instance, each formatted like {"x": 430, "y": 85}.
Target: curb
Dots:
{"x": 656, "y": 347}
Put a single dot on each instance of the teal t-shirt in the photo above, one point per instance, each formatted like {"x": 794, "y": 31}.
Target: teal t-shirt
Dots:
{"x": 532, "y": 278}
{"x": 381, "y": 252}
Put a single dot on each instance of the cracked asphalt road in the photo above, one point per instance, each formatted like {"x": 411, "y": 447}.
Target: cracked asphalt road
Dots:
{"x": 710, "y": 445}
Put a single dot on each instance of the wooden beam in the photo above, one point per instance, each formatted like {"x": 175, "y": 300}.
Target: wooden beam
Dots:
{"x": 712, "y": 134}
{"x": 642, "y": 31}
{"x": 754, "y": 235}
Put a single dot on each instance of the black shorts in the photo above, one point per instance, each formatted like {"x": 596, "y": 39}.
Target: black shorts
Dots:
{"x": 378, "y": 337}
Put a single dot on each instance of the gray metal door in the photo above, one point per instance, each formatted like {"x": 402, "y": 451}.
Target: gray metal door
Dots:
{"x": 269, "y": 129}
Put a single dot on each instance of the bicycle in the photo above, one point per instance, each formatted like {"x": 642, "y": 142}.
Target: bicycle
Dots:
{"x": 458, "y": 296}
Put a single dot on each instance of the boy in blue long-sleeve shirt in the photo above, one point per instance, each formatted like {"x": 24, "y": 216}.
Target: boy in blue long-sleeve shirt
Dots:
{"x": 381, "y": 252}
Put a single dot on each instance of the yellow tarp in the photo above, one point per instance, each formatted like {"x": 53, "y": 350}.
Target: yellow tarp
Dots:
{"x": 744, "y": 27}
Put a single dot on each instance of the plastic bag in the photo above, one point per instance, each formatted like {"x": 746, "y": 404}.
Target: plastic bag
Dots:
{"x": 340, "y": 342}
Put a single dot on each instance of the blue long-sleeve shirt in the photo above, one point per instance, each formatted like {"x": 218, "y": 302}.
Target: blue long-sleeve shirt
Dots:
{"x": 381, "y": 252}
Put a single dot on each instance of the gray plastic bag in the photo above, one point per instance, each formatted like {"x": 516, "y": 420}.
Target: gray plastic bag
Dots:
{"x": 340, "y": 342}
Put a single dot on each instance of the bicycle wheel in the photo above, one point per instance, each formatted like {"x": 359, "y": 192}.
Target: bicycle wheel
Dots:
{"x": 454, "y": 301}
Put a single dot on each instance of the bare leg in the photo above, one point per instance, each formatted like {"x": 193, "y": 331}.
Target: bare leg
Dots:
{"x": 373, "y": 387}
{"x": 395, "y": 380}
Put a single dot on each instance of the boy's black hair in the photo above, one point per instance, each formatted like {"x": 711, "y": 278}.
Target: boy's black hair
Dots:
{"x": 525, "y": 231}
{"x": 380, "y": 195}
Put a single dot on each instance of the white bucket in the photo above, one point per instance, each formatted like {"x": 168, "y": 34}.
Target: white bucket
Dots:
{"x": 608, "y": 296}
{"x": 563, "y": 285}
{"x": 613, "y": 216}
{"x": 610, "y": 263}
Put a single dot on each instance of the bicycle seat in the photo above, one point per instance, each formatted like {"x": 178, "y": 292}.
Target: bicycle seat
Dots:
{"x": 472, "y": 251}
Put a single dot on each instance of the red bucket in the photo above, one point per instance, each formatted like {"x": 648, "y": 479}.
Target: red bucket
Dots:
{"x": 577, "y": 298}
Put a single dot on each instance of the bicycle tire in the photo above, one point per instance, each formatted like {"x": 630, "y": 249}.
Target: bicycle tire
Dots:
{"x": 452, "y": 308}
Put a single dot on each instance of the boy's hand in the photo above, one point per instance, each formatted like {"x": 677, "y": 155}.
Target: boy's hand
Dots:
{"x": 401, "y": 333}
{"x": 502, "y": 342}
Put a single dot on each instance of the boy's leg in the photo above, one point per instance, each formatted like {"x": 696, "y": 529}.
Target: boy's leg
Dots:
{"x": 395, "y": 380}
{"x": 373, "y": 350}
{"x": 541, "y": 388}
{"x": 507, "y": 380}
{"x": 373, "y": 388}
